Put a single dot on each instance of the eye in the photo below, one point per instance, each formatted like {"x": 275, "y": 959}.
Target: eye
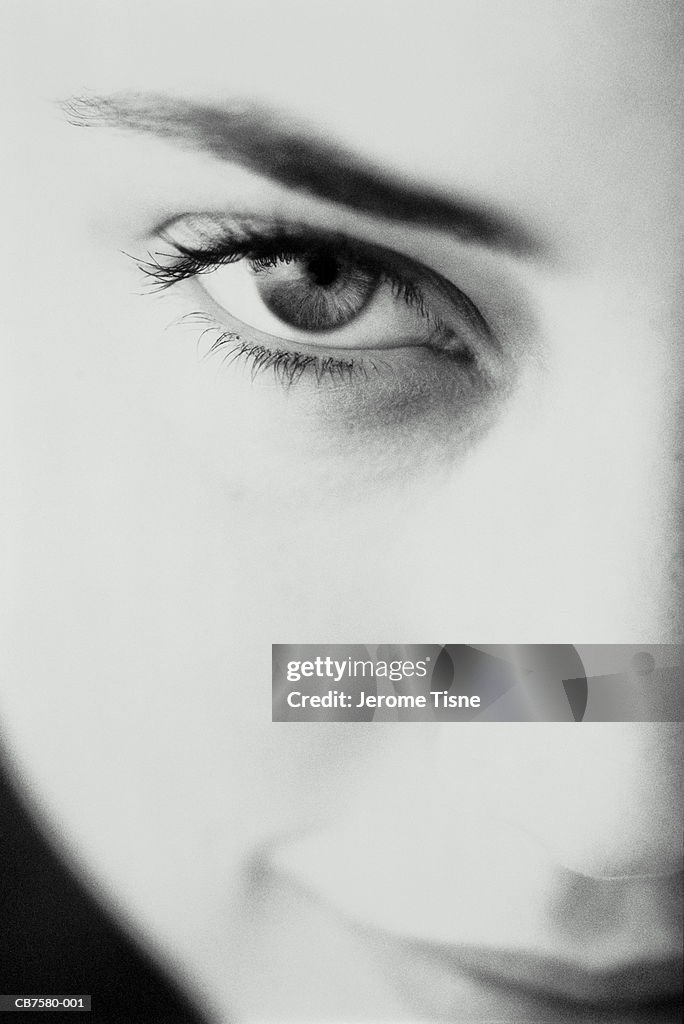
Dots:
{"x": 326, "y": 295}
{"x": 295, "y": 284}
{"x": 300, "y": 300}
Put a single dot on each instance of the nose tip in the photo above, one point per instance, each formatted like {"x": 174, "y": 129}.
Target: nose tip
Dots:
{"x": 629, "y": 815}
{"x": 617, "y": 842}
{"x": 603, "y": 799}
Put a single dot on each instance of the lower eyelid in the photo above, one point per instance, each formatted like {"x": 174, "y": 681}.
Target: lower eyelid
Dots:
{"x": 289, "y": 367}
{"x": 288, "y": 364}
{"x": 338, "y": 366}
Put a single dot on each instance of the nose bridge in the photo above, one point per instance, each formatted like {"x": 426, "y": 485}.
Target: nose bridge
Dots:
{"x": 659, "y": 490}
{"x": 668, "y": 515}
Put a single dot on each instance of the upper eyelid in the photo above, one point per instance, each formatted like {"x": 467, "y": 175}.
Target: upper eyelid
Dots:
{"x": 255, "y": 228}
{"x": 296, "y": 236}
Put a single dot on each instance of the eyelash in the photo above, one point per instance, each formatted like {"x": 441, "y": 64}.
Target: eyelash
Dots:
{"x": 288, "y": 366}
{"x": 264, "y": 248}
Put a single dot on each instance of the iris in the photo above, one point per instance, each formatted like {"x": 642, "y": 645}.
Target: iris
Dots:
{"x": 315, "y": 291}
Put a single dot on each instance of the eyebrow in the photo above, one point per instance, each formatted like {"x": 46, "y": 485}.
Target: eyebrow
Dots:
{"x": 281, "y": 149}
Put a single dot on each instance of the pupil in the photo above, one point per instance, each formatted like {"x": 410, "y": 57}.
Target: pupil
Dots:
{"x": 323, "y": 269}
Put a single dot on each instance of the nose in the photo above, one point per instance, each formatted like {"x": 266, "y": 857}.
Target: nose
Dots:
{"x": 603, "y": 799}
{"x": 522, "y": 836}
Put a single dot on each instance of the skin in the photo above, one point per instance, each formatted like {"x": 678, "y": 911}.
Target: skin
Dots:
{"x": 167, "y": 519}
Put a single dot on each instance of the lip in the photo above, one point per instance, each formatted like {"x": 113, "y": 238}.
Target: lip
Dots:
{"x": 350, "y": 968}
{"x": 482, "y": 986}
{"x": 418, "y": 982}
{"x": 635, "y": 985}
{"x": 501, "y": 942}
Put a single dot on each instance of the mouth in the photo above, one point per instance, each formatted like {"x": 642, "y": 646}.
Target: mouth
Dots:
{"x": 491, "y": 944}
{"x": 537, "y": 983}
{"x": 400, "y": 979}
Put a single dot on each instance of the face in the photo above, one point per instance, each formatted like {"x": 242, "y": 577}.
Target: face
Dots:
{"x": 325, "y": 321}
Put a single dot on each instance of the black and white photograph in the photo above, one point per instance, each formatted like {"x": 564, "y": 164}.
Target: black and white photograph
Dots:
{"x": 341, "y": 648}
